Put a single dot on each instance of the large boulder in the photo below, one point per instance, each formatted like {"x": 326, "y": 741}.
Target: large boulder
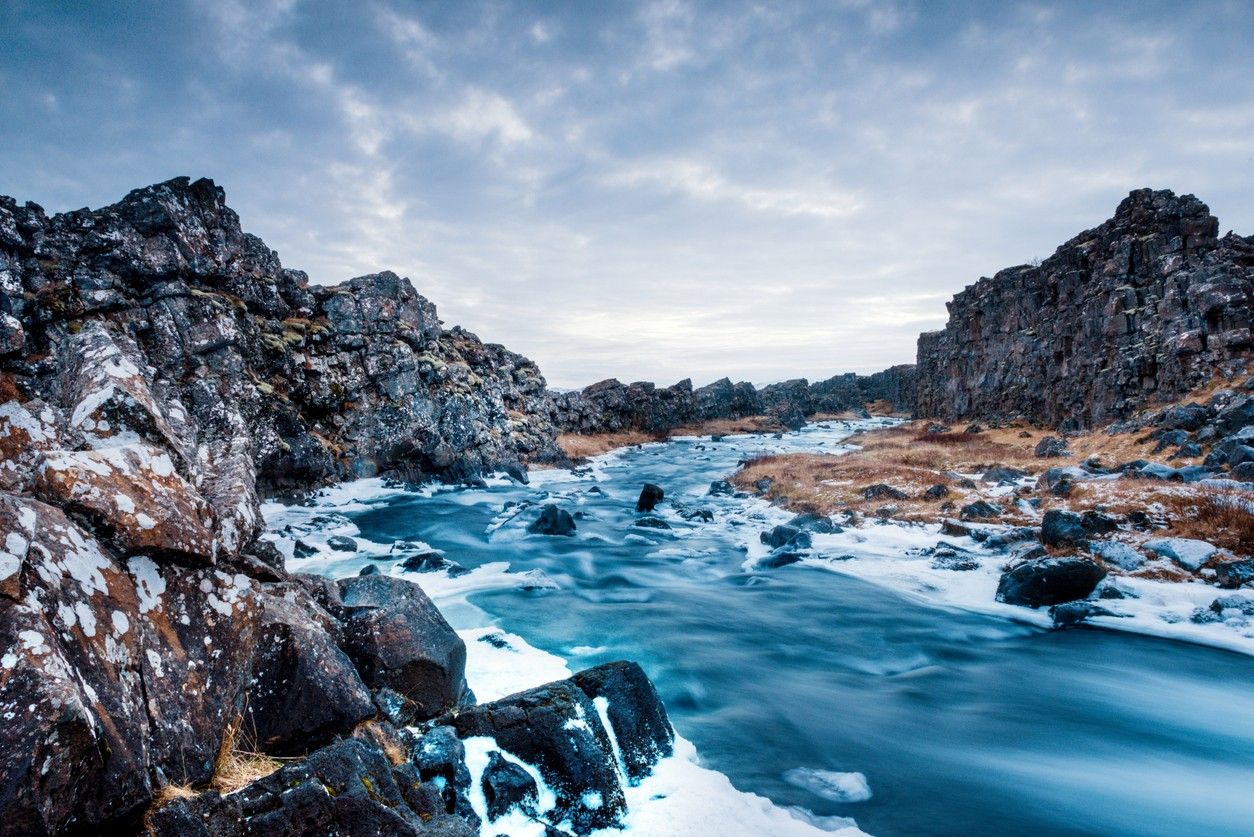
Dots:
{"x": 553, "y": 521}
{"x": 146, "y": 663}
{"x": 1189, "y": 553}
{"x": 650, "y": 496}
{"x": 136, "y": 496}
{"x": 555, "y": 728}
{"x": 399, "y": 641}
{"x": 627, "y": 701}
{"x": 305, "y": 690}
{"x": 1049, "y": 581}
{"x": 1063, "y": 529}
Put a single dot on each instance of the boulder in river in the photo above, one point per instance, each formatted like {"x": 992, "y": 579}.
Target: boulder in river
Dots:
{"x": 650, "y": 496}
{"x": 1050, "y": 581}
{"x": 553, "y": 521}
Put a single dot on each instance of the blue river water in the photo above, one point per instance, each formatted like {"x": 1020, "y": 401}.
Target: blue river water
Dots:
{"x": 963, "y": 724}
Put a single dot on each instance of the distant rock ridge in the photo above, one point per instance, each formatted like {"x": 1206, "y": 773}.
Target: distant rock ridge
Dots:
{"x": 1139, "y": 310}
{"x": 610, "y": 406}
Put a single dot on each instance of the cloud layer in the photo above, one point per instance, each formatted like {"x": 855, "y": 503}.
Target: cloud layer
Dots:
{"x": 651, "y": 190}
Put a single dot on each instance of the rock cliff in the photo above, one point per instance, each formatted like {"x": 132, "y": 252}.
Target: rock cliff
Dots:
{"x": 1141, "y": 309}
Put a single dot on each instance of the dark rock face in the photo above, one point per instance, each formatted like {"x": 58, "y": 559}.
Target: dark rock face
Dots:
{"x": 507, "y": 785}
{"x": 305, "y": 690}
{"x": 1049, "y": 581}
{"x": 230, "y": 353}
{"x": 346, "y": 788}
{"x": 399, "y": 641}
{"x": 556, "y": 729}
{"x": 553, "y": 521}
{"x": 635, "y": 713}
{"x": 1144, "y": 307}
{"x": 157, "y": 365}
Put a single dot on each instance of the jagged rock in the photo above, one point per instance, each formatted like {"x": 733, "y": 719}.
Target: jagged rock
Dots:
{"x": 879, "y": 489}
{"x": 789, "y": 536}
{"x": 340, "y": 543}
{"x": 819, "y": 524}
{"x": 1187, "y": 552}
{"x": 1120, "y": 554}
{"x": 980, "y": 510}
{"x": 1233, "y": 574}
{"x": 1049, "y": 581}
{"x": 398, "y": 640}
{"x": 556, "y": 729}
{"x": 441, "y": 759}
{"x": 623, "y": 692}
{"x": 1003, "y": 475}
{"x": 346, "y": 788}
{"x": 650, "y": 496}
{"x": 553, "y": 521}
{"x": 1068, "y": 614}
{"x": 1147, "y": 305}
{"x": 508, "y": 785}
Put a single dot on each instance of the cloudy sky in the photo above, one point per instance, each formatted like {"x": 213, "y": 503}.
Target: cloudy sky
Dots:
{"x": 645, "y": 190}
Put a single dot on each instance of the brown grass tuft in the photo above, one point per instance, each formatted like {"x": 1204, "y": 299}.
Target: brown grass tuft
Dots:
{"x": 236, "y": 766}
{"x": 580, "y": 446}
{"x": 945, "y": 438}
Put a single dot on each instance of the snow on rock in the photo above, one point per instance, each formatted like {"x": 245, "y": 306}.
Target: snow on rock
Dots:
{"x": 145, "y": 504}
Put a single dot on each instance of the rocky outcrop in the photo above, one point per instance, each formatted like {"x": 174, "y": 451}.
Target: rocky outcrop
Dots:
{"x": 158, "y": 369}
{"x": 1143, "y": 308}
{"x": 160, "y": 311}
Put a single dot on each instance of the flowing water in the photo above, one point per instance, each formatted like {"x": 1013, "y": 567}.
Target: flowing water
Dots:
{"x": 962, "y": 723}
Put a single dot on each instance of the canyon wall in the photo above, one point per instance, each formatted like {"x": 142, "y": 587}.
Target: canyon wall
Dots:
{"x": 1140, "y": 310}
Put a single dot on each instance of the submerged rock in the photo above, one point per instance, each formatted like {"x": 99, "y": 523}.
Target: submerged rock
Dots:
{"x": 553, "y": 521}
{"x": 650, "y": 496}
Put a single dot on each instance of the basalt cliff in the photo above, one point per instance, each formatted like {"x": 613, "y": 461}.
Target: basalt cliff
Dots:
{"x": 1139, "y": 310}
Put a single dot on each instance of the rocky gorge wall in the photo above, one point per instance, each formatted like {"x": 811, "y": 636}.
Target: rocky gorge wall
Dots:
{"x": 1141, "y": 309}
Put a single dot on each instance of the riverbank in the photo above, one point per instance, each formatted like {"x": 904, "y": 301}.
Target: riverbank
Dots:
{"x": 1163, "y": 544}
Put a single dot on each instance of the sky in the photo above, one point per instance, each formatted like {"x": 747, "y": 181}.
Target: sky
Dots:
{"x": 651, "y": 190}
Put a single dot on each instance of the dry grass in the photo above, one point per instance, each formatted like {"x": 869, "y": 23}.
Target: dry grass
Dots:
{"x": 910, "y": 460}
{"x": 580, "y": 446}
{"x": 236, "y": 766}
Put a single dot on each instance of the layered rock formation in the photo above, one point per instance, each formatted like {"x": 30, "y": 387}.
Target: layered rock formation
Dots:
{"x": 1143, "y": 308}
